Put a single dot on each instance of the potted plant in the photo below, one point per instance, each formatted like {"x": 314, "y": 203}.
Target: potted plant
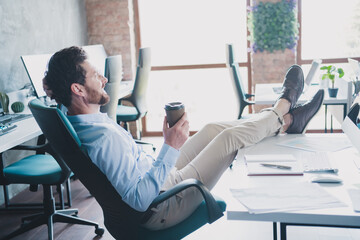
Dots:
{"x": 331, "y": 72}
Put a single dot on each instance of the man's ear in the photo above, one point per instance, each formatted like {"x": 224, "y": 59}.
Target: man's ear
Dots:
{"x": 77, "y": 89}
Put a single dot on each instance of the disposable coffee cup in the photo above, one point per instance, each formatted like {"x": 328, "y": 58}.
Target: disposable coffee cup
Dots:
{"x": 174, "y": 111}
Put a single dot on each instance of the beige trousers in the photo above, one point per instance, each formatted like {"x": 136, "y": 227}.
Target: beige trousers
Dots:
{"x": 205, "y": 156}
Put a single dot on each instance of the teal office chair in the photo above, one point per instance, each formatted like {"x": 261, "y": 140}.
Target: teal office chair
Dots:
{"x": 40, "y": 150}
{"x": 242, "y": 96}
{"x": 127, "y": 114}
{"x": 122, "y": 221}
{"x": 48, "y": 172}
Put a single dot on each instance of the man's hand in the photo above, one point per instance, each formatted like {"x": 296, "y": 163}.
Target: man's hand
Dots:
{"x": 178, "y": 134}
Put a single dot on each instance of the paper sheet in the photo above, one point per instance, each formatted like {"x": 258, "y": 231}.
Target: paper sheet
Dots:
{"x": 317, "y": 144}
{"x": 270, "y": 158}
{"x": 256, "y": 169}
{"x": 285, "y": 197}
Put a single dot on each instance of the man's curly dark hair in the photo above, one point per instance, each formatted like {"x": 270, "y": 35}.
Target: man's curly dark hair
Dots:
{"x": 64, "y": 69}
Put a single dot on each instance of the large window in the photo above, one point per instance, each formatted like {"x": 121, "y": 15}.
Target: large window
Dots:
{"x": 187, "y": 40}
{"x": 330, "y": 29}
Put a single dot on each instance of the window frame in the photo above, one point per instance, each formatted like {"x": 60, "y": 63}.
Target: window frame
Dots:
{"x": 184, "y": 67}
{"x": 299, "y": 59}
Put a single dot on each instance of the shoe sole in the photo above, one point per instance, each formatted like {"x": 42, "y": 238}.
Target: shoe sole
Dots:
{"x": 317, "y": 110}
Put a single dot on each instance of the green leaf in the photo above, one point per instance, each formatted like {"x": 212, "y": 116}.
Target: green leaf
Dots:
{"x": 341, "y": 72}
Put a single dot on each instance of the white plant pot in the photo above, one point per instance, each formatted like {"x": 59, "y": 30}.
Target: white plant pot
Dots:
{"x": 324, "y": 84}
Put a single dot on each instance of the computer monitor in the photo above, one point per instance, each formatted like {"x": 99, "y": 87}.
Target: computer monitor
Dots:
{"x": 313, "y": 69}
{"x": 35, "y": 66}
{"x": 355, "y": 66}
{"x": 96, "y": 56}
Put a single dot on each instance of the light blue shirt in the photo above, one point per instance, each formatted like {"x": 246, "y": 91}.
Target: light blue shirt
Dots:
{"x": 136, "y": 176}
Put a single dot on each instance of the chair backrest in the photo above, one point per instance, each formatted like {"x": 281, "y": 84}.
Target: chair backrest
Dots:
{"x": 66, "y": 144}
{"x": 230, "y": 58}
{"x": 239, "y": 92}
{"x": 230, "y": 61}
{"x": 114, "y": 73}
{"x": 138, "y": 96}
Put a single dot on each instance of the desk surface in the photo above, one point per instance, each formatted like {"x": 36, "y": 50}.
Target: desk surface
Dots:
{"x": 264, "y": 94}
{"x": 348, "y": 172}
{"x": 28, "y": 129}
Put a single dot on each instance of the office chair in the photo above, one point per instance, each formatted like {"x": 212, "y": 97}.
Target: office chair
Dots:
{"x": 40, "y": 149}
{"x": 126, "y": 114}
{"x": 48, "y": 173}
{"x": 236, "y": 80}
{"x": 122, "y": 221}
{"x": 114, "y": 73}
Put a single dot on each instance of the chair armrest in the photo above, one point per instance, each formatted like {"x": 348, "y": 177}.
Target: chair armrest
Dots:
{"x": 145, "y": 143}
{"x": 42, "y": 147}
{"x": 247, "y": 95}
{"x": 250, "y": 102}
{"x": 213, "y": 208}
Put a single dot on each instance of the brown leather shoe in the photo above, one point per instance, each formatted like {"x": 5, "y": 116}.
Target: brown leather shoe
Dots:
{"x": 293, "y": 85}
{"x": 302, "y": 114}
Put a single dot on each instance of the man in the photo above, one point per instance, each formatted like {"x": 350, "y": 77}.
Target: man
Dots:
{"x": 139, "y": 178}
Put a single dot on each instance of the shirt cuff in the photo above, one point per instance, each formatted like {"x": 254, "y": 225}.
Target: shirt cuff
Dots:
{"x": 168, "y": 155}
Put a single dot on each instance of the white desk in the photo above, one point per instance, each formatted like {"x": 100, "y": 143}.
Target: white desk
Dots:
{"x": 26, "y": 130}
{"x": 264, "y": 94}
{"x": 348, "y": 172}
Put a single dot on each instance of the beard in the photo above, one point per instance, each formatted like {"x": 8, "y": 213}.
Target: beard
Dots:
{"x": 96, "y": 97}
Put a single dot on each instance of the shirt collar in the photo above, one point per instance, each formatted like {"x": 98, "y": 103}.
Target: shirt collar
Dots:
{"x": 94, "y": 117}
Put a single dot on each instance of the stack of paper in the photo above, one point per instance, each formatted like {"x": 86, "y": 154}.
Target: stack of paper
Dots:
{"x": 273, "y": 164}
{"x": 285, "y": 197}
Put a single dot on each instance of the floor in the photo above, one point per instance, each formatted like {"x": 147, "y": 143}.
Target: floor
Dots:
{"x": 221, "y": 229}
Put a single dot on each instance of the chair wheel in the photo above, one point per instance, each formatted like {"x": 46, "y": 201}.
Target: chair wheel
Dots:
{"x": 99, "y": 231}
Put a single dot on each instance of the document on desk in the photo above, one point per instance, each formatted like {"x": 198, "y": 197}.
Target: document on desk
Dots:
{"x": 317, "y": 144}
{"x": 272, "y": 164}
{"x": 285, "y": 197}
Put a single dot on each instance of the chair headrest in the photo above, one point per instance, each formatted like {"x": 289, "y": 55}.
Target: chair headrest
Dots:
{"x": 36, "y": 104}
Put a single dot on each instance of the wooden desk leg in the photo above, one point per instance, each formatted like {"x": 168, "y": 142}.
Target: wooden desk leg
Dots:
{"x": 283, "y": 231}
{"x": 275, "y": 230}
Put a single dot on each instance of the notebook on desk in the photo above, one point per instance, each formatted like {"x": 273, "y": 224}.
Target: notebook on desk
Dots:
{"x": 273, "y": 165}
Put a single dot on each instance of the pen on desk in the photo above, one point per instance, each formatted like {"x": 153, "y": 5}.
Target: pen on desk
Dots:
{"x": 275, "y": 166}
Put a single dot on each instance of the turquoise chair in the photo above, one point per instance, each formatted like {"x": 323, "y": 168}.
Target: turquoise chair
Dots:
{"x": 122, "y": 221}
{"x": 36, "y": 160}
{"x": 139, "y": 109}
{"x": 48, "y": 172}
{"x": 233, "y": 66}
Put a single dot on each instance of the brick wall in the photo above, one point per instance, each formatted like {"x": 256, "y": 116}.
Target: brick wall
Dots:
{"x": 110, "y": 22}
{"x": 270, "y": 67}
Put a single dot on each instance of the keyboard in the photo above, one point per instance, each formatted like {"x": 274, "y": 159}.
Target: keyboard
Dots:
{"x": 6, "y": 128}
{"x": 314, "y": 162}
{"x": 12, "y": 118}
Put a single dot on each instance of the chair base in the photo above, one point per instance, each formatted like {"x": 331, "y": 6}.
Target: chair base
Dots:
{"x": 38, "y": 206}
{"x": 59, "y": 216}
{"x": 50, "y": 216}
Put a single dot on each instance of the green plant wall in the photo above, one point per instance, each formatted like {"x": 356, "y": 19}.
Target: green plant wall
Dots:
{"x": 273, "y": 26}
